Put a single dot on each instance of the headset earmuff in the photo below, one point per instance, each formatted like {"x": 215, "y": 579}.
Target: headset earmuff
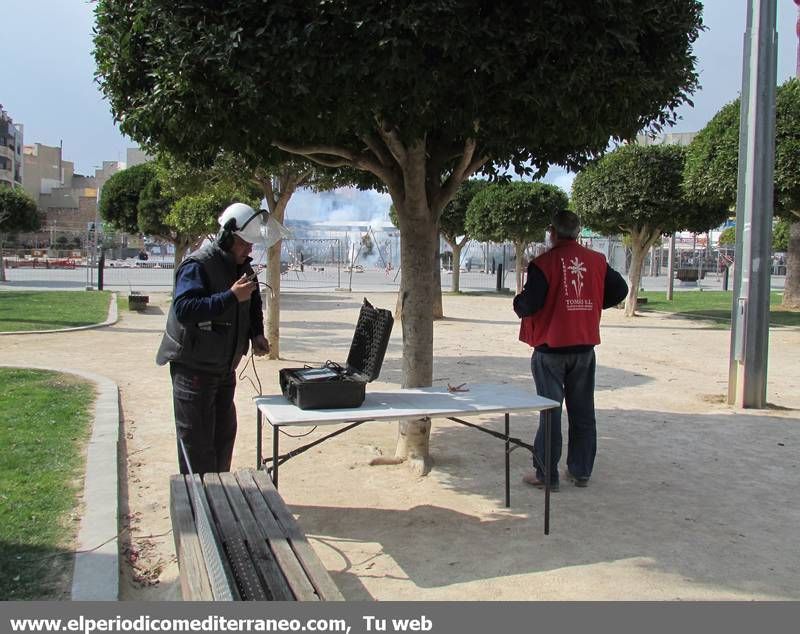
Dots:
{"x": 225, "y": 238}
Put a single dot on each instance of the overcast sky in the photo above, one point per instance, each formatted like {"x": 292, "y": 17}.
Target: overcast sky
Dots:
{"x": 48, "y": 78}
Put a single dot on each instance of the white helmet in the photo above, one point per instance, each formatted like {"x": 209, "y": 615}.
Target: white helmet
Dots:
{"x": 244, "y": 221}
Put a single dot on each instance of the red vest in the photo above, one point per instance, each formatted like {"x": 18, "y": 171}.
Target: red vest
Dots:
{"x": 571, "y": 313}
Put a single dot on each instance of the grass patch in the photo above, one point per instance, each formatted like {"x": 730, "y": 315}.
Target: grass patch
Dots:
{"x": 51, "y": 310}
{"x": 44, "y": 424}
{"x": 715, "y": 305}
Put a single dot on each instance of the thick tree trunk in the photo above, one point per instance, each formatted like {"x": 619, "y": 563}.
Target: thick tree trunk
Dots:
{"x": 519, "y": 250}
{"x": 791, "y": 289}
{"x": 456, "y": 272}
{"x": 418, "y": 239}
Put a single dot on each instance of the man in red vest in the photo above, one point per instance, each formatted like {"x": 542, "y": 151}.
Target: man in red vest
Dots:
{"x": 566, "y": 289}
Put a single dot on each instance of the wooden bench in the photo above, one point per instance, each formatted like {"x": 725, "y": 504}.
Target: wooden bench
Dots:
{"x": 237, "y": 541}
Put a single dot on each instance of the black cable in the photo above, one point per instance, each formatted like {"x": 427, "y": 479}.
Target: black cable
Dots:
{"x": 242, "y": 376}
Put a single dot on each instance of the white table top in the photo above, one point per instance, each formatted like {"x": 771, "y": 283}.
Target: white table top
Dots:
{"x": 397, "y": 404}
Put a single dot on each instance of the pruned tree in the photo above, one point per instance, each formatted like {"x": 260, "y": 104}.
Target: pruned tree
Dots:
{"x": 638, "y": 190}
{"x": 418, "y": 96}
{"x": 453, "y": 227}
{"x": 712, "y": 170}
{"x": 17, "y": 213}
{"x": 517, "y": 212}
{"x": 119, "y": 198}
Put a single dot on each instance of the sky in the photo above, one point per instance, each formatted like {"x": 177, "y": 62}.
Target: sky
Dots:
{"x": 48, "y": 82}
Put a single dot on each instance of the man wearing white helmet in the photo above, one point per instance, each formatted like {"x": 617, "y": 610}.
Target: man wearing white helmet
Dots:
{"x": 216, "y": 314}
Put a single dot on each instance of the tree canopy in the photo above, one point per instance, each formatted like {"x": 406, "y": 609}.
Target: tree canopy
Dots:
{"x": 367, "y": 78}
{"x": 18, "y": 211}
{"x": 119, "y": 198}
{"x": 515, "y": 211}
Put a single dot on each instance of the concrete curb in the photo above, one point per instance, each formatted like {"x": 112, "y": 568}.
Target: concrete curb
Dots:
{"x": 96, "y": 573}
{"x": 111, "y": 319}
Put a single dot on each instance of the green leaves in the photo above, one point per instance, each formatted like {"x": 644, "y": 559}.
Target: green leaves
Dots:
{"x": 17, "y": 211}
{"x": 639, "y": 188}
{"x": 548, "y": 81}
{"x": 712, "y": 160}
{"x": 514, "y": 211}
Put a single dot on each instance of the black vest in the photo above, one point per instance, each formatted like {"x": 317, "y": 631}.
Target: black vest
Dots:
{"x": 218, "y": 346}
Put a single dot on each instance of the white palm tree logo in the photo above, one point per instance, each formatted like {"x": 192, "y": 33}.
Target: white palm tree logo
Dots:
{"x": 577, "y": 268}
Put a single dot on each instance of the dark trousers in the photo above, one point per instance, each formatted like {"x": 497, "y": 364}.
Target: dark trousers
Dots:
{"x": 205, "y": 418}
{"x": 567, "y": 377}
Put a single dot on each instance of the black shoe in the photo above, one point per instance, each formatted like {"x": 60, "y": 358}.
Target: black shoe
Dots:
{"x": 579, "y": 482}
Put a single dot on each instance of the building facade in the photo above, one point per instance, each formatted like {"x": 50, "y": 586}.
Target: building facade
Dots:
{"x": 11, "y": 151}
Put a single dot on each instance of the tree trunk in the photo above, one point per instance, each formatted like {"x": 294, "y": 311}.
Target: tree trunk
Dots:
{"x": 2, "y": 262}
{"x": 181, "y": 246}
{"x": 638, "y": 252}
{"x": 519, "y": 251}
{"x": 456, "y": 268}
{"x": 272, "y": 300}
{"x": 791, "y": 289}
{"x": 418, "y": 238}
{"x": 272, "y": 329}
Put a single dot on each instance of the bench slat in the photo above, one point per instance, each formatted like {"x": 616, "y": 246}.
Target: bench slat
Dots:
{"x": 233, "y": 541}
{"x": 319, "y": 576}
{"x": 226, "y": 578}
{"x": 256, "y": 541}
{"x": 271, "y": 531}
{"x": 195, "y": 584}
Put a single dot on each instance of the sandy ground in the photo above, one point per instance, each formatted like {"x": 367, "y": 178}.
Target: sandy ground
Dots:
{"x": 690, "y": 499}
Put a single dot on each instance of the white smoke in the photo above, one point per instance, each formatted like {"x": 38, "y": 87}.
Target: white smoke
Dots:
{"x": 346, "y": 204}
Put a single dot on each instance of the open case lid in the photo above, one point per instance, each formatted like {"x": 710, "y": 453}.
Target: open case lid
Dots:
{"x": 370, "y": 340}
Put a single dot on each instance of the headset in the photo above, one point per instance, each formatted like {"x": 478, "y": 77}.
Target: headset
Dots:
{"x": 225, "y": 236}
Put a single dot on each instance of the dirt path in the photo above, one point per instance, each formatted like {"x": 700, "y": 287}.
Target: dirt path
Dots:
{"x": 690, "y": 499}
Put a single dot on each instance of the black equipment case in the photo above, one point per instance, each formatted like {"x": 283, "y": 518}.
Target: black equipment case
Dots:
{"x": 331, "y": 386}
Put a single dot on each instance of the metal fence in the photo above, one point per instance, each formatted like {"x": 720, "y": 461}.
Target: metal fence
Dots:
{"x": 72, "y": 261}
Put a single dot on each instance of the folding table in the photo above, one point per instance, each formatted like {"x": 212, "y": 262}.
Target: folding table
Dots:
{"x": 410, "y": 404}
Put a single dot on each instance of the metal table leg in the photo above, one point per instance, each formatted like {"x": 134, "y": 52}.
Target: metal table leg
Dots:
{"x": 547, "y": 471}
{"x": 259, "y": 431}
{"x": 508, "y": 465}
{"x": 275, "y": 439}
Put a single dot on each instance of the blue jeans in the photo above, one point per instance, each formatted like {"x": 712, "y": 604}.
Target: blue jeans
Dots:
{"x": 205, "y": 418}
{"x": 567, "y": 377}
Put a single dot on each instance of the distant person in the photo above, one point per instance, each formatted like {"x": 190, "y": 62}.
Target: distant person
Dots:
{"x": 142, "y": 255}
{"x": 215, "y": 315}
{"x": 560, "y": 306}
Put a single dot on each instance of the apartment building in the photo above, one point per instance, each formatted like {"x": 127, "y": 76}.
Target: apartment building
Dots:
{"x": 67, "y": 201}
{"x": 11, "y": 162}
